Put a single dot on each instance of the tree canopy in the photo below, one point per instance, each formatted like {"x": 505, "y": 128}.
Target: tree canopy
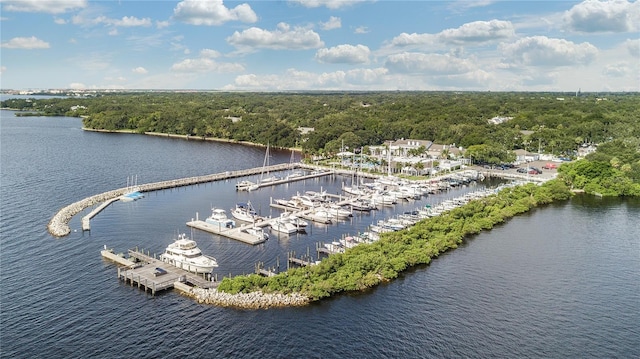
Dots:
{"x": 554, "y": 123}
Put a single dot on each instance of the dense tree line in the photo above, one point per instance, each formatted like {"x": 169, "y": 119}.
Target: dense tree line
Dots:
{"x": 559, "y": 122}
{"x": 614, "y": 170}
{"x": 368, "y": 265}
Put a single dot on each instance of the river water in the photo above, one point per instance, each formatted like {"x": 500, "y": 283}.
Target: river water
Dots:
{"x": 561, "y": 281}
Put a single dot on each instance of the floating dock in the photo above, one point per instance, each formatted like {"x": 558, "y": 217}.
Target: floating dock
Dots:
{"x": 236, "y": 233}
{"x": 153, "y": 275}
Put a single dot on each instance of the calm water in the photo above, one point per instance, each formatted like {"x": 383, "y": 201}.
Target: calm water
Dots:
{"x": 561, "y": 281}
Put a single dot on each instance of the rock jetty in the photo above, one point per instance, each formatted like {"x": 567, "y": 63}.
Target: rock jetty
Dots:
{"x": 253, "y": 300}
{"x": 59, "y": 224}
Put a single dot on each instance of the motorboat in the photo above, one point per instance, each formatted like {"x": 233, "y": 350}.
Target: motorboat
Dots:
{"x": 257, "y": 232}
{"x": 300, "y": 223}
{"x": 245, "y": 212}
{"x": 362, "y": 205}
{"x": 184, "y": 253}
{"x": 335, "y": 211}
{"x": 219, "y": 218}
{"x": 283, "y": 224}
{"x": 244, "y": 185}
{"x": 320, "y": 215}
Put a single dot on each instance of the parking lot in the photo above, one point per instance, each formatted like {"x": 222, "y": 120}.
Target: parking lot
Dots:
{"x": 546, "y": 173}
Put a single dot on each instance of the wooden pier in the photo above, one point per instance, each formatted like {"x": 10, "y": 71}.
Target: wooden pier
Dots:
{"x": 292, "y": 259}
{"x": 267, "y": 272}
{"x": 153, "y": 275}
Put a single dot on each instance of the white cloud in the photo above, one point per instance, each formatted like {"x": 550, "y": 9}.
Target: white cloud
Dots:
{"x": 201, "y": 65}
{"x": 294, "y": 79}
{"x": 419, "y": 63}
{"x": 212, "y": 12}
{"x": 26, "y": 43}
{"x": 366, "y": 76}
{"x": 477, "y": 79}
{"x": 619, "y": 69}
{"x": 129, "y": 21}
{"x": 126, "y": 21}
{"x": 361, "y": 30}
{"x": 208, "y": 53}
{"x": 633, "y": 46}
{"x": 478, "y": 32}
{"x": 347, "y": 54}
{"x": 329, "y": 4}
{"x": 162, "y": 24}
{"x": 46, "y": 6}
{"x": 3, "y": 69}
{"x": 332, "y": 23}
{"x": 59, "y": 21}
{"x": 603, "y": 16}
{"x": 281, "y": 38}
{"x": 544, "y": 51}
{"x": 140, "y": 70}
{"x": 405, "y": 39}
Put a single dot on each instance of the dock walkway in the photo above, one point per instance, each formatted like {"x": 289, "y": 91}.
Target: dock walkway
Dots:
{"x": 151, "y": 274}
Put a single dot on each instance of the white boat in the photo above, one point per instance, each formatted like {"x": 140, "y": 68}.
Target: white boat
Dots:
{"x": 294, "y": 174}
{"x": 244, "y": 185}
{"x": 360, "y": 204}
{"x": 320, "y": 215}
{"x": 257, "y": 232}
{"x": 265, "y": 178}
{"x": 336, "y": 211}
{"x": 382, "y": 198}
{"x": 283, "y": 224}
{"x": 297, "y": 221}
{"x": 245, "y": 212}
{"x": 185, "y": 254}
{"x": 219, "y": 218}
{"x": 305, "y": 201}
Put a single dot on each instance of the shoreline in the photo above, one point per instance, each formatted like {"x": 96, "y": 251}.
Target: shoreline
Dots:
{"x": 189, "y": 137}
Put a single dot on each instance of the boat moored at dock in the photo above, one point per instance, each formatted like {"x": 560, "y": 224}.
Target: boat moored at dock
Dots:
{"x": 245, "y": 212}
{"x": 184, "y": 253}
{"x": 219, "y": 218}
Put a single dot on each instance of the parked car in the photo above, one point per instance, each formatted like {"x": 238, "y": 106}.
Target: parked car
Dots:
{"x": 521, "y": 170}
{"x": 549, "y": 166}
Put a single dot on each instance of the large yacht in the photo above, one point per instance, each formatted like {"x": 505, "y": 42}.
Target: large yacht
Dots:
{"x": 185, "y": 254}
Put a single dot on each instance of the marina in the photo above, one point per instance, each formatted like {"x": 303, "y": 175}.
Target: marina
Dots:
{"x": 59, "y": 224}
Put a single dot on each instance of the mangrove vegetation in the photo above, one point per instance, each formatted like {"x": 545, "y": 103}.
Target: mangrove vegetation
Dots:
{"x": 367, "y": 265}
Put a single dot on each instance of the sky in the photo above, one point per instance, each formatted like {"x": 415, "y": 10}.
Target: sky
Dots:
{"x": 313, "y": 45}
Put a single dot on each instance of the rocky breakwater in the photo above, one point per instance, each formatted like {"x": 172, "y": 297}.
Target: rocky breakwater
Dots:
{"x": 59, "y": 224}
{"x": 253, "y": 300}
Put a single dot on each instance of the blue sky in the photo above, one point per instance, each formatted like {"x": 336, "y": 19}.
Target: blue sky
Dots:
{"x": 321, "y": 45}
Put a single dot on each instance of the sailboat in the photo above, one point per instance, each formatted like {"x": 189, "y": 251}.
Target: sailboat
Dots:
{"x": 293, "y": 173}
{"x": 265, "y": 179}
{"x": 132, "y": 192}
